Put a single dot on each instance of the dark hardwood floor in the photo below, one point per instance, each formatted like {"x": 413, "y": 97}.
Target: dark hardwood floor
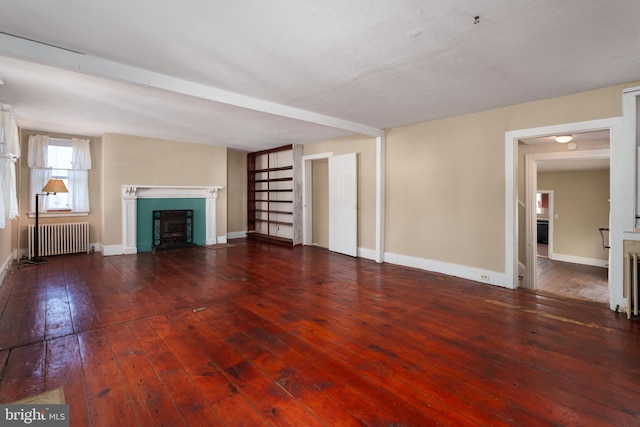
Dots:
{"x": 257, "y": 334}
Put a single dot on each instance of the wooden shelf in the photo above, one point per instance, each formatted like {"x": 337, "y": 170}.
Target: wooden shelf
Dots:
{"x": 276, "y": 212}
{"x": 275, "y": 179}
{"x": 279, "y": 190}
{"x": 270, "y": 221}
{"x": 270, "y": 173}
{"x": 282, "y": 168}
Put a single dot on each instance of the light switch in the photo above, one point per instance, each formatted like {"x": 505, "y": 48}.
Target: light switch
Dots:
{"x": 556, "y": 216}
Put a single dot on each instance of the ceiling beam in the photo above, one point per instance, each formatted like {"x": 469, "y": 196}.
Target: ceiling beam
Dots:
{"x": 49, "y": 55}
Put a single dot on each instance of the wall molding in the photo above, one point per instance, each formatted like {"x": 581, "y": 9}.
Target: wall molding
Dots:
{"x": 169, "y": 192}
{"x": 110, "y": 250}
{"x": 457, "y": 270}
{"x": 237, "y": 235}
{"x": 580, "y": 260}
{"x": 6, "y": 266}
{"x": 365, "y": 253}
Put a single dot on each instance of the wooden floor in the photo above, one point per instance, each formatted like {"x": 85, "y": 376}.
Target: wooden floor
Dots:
{"x": 254, "y": 334}
{"x": 569, "y": 280}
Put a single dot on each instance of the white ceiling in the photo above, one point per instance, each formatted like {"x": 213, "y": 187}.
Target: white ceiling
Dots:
{"x": 379, "y": 63}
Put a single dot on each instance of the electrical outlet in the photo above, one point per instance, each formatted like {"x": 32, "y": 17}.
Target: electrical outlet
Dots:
{"x": 485, "y": 277}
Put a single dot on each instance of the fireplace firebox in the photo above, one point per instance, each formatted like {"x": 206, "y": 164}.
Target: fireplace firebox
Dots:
{"x": 172, "y": 229}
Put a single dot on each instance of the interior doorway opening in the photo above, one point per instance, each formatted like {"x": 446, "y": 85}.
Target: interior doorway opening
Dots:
{"x": 621, "y": 205}
{"x": 315, "y": 177}
{"x": 567, "y": 194}
{"x": 544, "y": 223}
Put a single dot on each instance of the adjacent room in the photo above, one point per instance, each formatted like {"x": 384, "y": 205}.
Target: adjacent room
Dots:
{"x": 336, "y": 214}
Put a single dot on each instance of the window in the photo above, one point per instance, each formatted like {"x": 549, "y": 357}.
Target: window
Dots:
{"x": 65, "y": 159}
{"x": 59, "y": 158}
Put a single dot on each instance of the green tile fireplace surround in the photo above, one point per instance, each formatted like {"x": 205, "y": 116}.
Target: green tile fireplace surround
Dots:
{"x": 144, "y": 220}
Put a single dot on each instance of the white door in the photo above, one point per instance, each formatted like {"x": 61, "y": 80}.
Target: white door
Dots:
{"x": 343, "y": 212}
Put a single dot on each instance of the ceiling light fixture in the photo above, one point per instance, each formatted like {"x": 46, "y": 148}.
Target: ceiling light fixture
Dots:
{"x": 563, "y": 139}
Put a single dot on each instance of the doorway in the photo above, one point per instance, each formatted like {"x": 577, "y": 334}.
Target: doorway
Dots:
{"x": 544, "y": 223}
{"x": 566, "y": 255}
{"x": 315, "y": 188}
{"x": 330, "y": 202}
{"x": 516, "y": 226}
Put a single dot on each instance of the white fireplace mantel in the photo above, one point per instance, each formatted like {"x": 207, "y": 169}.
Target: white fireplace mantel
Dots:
{"x": 130, "y": 194}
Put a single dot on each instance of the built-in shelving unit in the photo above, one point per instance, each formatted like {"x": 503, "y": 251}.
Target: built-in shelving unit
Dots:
{"x": 270, "y": 178}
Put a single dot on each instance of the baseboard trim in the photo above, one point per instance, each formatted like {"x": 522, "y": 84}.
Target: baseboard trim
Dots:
{"x": 6, "y": 266}
{"x": 367, "y": 253}
{"x": 579, "y": 260}
{"x": 237, "y": 235}
{"x": 111, "y": 250}
{"x": 456, "y": 270}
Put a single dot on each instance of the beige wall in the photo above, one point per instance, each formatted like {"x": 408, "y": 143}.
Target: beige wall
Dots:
{"x": 237, "y": 191}
{"x": 365, "y": 148}
{"x": 446, "y": 178}
{"x": 130, "y": 160}
{"x": 445, "y": 190}
{"x": 581, "y": 203}
{"x": 95, "y": 201}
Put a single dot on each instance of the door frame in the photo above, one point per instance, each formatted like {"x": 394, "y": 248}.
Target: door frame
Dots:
{"x": 622, "y": 161}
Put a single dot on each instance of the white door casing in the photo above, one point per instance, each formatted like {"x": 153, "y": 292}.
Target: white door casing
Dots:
{"x": 622, "y": 198}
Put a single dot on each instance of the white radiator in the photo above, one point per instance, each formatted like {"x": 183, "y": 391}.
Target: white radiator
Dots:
{"x": 60, "y": 239}
{"x": 631, "y": 289}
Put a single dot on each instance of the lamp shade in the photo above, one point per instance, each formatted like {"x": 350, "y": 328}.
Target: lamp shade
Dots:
{"x": 55, "y": 185}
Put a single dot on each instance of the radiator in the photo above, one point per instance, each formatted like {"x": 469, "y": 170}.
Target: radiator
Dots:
{"x": 631, "y": 289}
{"x": 60, "y": 239}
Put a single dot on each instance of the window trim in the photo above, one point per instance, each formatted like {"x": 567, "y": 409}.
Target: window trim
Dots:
{"x": 56, "y": 214}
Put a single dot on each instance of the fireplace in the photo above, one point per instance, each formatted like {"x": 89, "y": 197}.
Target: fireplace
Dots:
{"x": 132, "y": 194}
{"x": 172, "y": 229}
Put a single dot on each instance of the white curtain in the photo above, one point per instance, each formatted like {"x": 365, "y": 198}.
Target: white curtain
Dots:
{"x": 3, "y": 173}
{"x": 10, "y": 133}
{"x": 81, "y": 154}
{"x": 8, "y": 155}
{"x": 40, "y": 174}
{"x": 37, "y": 157}
{"x": 79, "y": 176}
